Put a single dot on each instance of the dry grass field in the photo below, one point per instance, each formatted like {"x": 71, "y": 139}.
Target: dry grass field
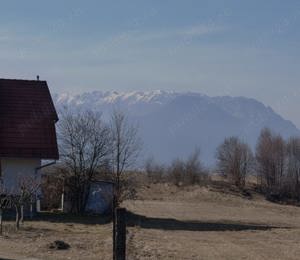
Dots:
{"x": 167, "y": 222}
{"x": 200, "y": 223}
{"x": 87, "y": 239}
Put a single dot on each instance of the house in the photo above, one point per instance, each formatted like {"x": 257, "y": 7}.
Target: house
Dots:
{"x": 27, "y": 129}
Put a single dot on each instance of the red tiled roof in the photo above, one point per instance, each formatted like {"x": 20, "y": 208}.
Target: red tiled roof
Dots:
{"x": 27, "y": 120}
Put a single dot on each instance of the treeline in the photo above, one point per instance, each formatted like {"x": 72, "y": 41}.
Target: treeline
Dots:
{"x": 180, "y": 172}
{"x": 275, "y": 163}
{"x": 278, "y": 165}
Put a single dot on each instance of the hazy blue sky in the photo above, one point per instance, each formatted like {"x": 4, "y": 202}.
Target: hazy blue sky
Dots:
{"x": 248, "y": 48}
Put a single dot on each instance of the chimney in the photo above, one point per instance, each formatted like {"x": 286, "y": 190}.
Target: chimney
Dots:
{"x": 37, "y": 77}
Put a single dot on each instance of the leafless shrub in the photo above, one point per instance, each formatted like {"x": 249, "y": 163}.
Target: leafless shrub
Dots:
{"x": 176, "y": 172}
{"x": 187, "y": 172}
{"x": 155, "y": 171}
{"x": 22, "y": 195}
{"x": 195, "y": 172}
{"x": 129, "y": 186}
{"x": 52, "y": 186}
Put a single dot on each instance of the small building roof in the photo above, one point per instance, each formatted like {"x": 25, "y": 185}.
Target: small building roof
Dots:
{"x": 27, "y": 120}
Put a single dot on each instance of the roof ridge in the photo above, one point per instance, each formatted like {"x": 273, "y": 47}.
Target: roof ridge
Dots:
{"x": 28, "y": 80}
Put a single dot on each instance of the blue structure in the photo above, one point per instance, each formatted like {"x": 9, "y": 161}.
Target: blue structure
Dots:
{"x": 100, "y": 197}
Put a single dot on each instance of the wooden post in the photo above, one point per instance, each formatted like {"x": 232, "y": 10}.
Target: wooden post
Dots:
{"x": 114, "y": 225}
{"x": 120, "y": 240}
{"x": 1, "y": 224}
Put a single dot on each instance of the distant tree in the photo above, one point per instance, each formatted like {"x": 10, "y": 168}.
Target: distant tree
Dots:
{"x": 154, "y": 171}
{"x": 264, "y": 158}
{"x": 279, "y": 159}
{"x": 187, "y": 172}
{"x": 270, "y": 158}
{"x": 235, "y": 160}
{"x": 194, "y": 170}
{"x": 176, "y": 172}
{"x": 126, "y": 146}
{"x": 84, "y": 146}
{"x": 293, "y": 166}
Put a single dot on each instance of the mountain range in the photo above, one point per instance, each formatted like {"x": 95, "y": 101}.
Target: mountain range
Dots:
{"x": 173, "y": 124}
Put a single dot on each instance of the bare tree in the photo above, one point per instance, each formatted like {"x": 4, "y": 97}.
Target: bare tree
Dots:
{"x": 235, "y": 160}
{"x": 279, "y": 159}
{"x": 264, "y": 158}
{"x": 293, "y": 167}
{"x": 194, "y": 170}
{"x": 126, "y": 147}
{"x": 278, "y": 166}
{"x": 270, "y": 157}
{"x": 85, "y": 146}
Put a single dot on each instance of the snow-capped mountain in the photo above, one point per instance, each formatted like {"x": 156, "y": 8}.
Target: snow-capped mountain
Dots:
{"x": 173, "y": 124}
{"x": 136, "y": 103}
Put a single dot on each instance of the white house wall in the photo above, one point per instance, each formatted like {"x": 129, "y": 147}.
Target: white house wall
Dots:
{"x": 13, "y": 168}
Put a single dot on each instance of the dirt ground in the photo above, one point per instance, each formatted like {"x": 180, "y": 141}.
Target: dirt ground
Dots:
{"x": 88, "y": 239}
{"x": 202, "y": 223}
{"x": 166, "y": 222}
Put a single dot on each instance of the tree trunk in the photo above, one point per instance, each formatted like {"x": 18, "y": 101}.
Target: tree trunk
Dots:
{"x": 18, "y": 216}
{"x": 22, "y": 214}
{"x": 85, "y": 195}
